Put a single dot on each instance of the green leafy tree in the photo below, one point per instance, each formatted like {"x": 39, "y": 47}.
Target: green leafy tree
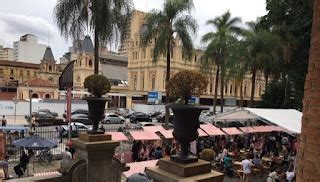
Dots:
{"x": 291, "y": 20}
{"x": 174, "y": 20}
{"x": 261, "y": 45}
{"x": 186, "y": 84}
{"x": 218, "y": 49}
{"x": 106, "y": 19}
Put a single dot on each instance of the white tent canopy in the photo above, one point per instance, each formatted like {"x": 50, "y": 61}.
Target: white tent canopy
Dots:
{"x": 289, "y": 119}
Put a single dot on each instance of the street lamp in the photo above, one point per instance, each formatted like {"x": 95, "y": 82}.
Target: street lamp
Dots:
{"x": 15, "y": 101}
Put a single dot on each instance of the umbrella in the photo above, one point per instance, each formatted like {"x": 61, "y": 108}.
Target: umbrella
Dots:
{"x": 35, "y": 143}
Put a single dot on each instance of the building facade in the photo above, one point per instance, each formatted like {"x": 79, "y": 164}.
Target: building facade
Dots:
{"x": 6, "y": 54}
{"x": 144, "y": 75}
{"x": 27, "y": 49}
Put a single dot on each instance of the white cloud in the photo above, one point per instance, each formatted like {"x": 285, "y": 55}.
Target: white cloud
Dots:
{"x": 12, "y": 26}
{"x": 35, "y": 17}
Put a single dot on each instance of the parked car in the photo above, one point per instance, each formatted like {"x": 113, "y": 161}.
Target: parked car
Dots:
{"x": 80, "y": 118}
{"x": 154, "y": 114}
{"x": 78, "y": 111}
{"x": 113, "y": 118}
{"x": 49, "y": 112}
{"x": 139, "y": 117}
{"x": 78, "y": 127}
{"x": 142, "y": 124}
{"x": 206, "y": 116}
{"x": 44, "y": 119}
{"x": 130, "y": 113}
{"x": 161, "y": 118}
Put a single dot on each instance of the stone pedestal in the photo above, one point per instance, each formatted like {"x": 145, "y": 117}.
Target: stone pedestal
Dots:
{"x": 170, "y": 171}
{"x": 98, "y": 151}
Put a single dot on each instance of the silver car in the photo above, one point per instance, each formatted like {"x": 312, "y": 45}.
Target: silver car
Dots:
{"x": 113, "y": 118}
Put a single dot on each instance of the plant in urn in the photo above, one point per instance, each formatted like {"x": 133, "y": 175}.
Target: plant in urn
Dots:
{"x": 97, "y": 85}
{"x": 182, "y": 87}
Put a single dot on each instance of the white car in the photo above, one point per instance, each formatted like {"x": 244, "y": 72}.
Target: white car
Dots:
{"x": 76, "y": 125}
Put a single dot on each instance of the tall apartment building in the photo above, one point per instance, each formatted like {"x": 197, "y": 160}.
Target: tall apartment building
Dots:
{"x": 6, "y": 54}
{"x": 27, "y": 49}
{"x": 145, "y": 76}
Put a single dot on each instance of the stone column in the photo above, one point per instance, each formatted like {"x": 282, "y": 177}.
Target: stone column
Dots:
{"x": 308, "y": 168}
{"x": 98, "y": 151}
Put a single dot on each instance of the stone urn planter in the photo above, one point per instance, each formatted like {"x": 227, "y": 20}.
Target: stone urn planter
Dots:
{"x": 96, "y": 106}
{"x": 97, "y": 85}
{"x": 186, "y": 124}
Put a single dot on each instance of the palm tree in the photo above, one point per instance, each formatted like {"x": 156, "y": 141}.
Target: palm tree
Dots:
{"x": 261, "y": 45}
{"x": 107, "y": 20}
{"x": 164, "y": 25}
{"x": 226, "y": 30}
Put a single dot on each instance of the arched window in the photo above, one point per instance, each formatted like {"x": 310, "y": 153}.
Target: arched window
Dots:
{"x": 90, "y": 63}
{"x": 47, "y": 96}
{"x": 50, "y": 68}
{"x": 35, "y": 95}
{"x": 50, "y": 79}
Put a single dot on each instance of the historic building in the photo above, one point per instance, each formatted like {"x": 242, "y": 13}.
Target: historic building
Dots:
{"x": 6, "y": 54}
{"x": 16, "y": 77}
{"x": 145, "y": 76}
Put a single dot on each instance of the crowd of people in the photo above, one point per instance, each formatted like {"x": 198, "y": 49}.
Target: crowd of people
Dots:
{"x": 270, "y": 155}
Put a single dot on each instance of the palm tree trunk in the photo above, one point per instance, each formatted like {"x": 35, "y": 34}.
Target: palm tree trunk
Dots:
{"x": 221, "y": 88}
{"x": 216, "y": 90}
{"x": 241, "y": 94}
{"x": 309, "y": 153}
{"x": 253, "y": 86}
{"x": 167, "y": 114}
{"x": 96, "y": 52}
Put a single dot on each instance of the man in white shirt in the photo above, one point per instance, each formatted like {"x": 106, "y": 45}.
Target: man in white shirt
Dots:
{"x": 246, "y": 167}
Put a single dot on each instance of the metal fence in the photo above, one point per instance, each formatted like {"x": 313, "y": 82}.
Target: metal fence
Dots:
{"x": 52, "y": 133}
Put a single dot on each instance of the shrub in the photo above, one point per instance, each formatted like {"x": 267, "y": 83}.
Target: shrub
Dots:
{"x": 207, "y": 155}
{"x": 186, "y": 83}
{"x": 97, "y": 85}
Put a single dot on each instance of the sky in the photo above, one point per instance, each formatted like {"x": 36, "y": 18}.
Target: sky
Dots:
{"x": 19, "y": 17}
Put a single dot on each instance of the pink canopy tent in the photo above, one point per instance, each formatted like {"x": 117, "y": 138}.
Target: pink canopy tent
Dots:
{"x": 211, "y": 130}
{"x": 139, "y": 167}
{"x": 232, "y": 131}
{"x": 118, "y": 136}
{"x": 202, "y": 133}
{"x": 262, "y": 129}
{"x": 144, "y": 135}
{"x": 153, "y": 128}
{"x": 167, "y": 134}
{"x": 247, "y": 129}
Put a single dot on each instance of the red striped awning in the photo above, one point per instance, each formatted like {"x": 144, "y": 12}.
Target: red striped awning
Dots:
{"x": 139, "y": 167}
{"x": 211, "y": 130}
{"x": 232, "y": 131}
{"x": 167, "y": 134}
{"x": 118, "y": 136}
{"x": 263, "y": 129}
{"x": 202, "y": 133}
{"x": 144, "y": 135}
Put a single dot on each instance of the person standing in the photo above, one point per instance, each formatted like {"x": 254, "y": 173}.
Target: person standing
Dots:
{"x": 246, "y": 167}
{"x": 4, "y": 121}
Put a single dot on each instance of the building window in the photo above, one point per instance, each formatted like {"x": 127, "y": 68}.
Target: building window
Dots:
{"x": 230, "y": 89}
{"x": 211, "y": 85}
{"x": 90, "y": 63}
{"x": 142, "y": 83}
{"x": 151, "y": 53}
{"x": 260, "y": 90}
{"x": 1, "y": 71}
{"x": 35, "y": 95}
{"x": 153, "y": 83}
{"x": 245, "y": 89}
{"x": 226, "y": 89}
{"x": 50, "y": 68}
{"x": 134, "y": 83}
{"x": 28, "y": 73}
{"x": 137, "y": 43}
{"x": 11, "y": 71}
{"x": 144, "y": 54}
{"x": 195, "y": 58}
{"x": 47, "y": 96}
{"x": 21, "y": 72}
{"x": 78, "y": 78}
